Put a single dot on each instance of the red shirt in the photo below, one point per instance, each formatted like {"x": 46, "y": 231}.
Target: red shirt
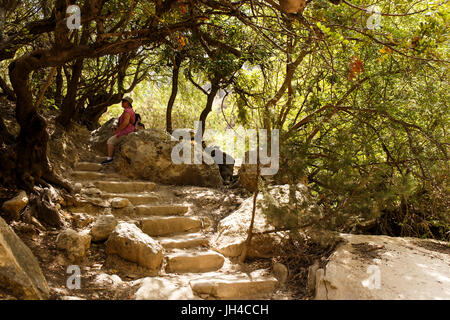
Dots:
{"x": 130, "y": 128}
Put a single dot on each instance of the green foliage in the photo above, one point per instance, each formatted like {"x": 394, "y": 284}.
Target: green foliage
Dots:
{"x": 369, "y": 107}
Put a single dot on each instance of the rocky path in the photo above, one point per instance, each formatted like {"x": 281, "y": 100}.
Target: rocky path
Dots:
{"x": 170, "y": 243}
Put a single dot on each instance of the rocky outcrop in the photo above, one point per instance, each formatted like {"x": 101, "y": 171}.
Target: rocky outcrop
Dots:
{"x": 14, "y": 206}
{"x": 147, "y": 155}
{"x": 20, "y": 273}
{"x": 130, "y": 243}
{"x": 76, "y": 244}
{"x": 101, "y": 135}
{"x": 232, "y": 233}
{"x": 232, "y": 230}
{"x": 385, "y": 268}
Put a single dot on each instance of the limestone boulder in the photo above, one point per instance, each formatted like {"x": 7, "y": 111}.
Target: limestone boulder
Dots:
{"x": 130, "y": 243}
{"x": 232, "y": 233}
{"x": 101, "y": 135}
{"x": 76, "y": 244}
{"x": 152, "y": 155}
{"x": 232, "y": 230}
{"x": 14, "y": 206}
{"x": 103, "y": 227}
{"x": 20, "y": 273}
{"x": 104, "y": 280}
{"x": 385, "y": 268}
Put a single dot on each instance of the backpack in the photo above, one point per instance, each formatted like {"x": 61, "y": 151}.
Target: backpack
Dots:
{"x": 137, "y": 120}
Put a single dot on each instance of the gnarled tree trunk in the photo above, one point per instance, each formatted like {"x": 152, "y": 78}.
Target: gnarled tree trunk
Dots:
{"x": 173, "y": 95}
{"x": 96, "y": 107}
{"x": 69, "y": 103}
{"x": 31, "y": 164}
{"x": 209, "y": 103}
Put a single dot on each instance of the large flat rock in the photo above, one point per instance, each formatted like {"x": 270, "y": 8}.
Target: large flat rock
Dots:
{"x": 382, "y": 267}
{"x": 20, "y": 273}
{"x": 235, "y": 286}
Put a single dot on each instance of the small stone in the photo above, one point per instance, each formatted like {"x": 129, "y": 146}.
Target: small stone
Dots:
{"x": 110, "y": 281}
{"x": 15, "y": 205}
{"x": 81, "y": 220}
{"x": 91, "y": 191}
{"x": 119, "y": 203}
{"x": 281, "y": 272}
{"x": 103, "y": 227}
{"x": 74, "y": 243}
{"x": 77, "y": 187}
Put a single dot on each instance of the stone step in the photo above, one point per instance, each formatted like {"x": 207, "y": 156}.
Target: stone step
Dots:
{"x": 161, "y": 210}
{"x": 135, "y": 198}
{"x": 194, "y": 262}
{"x": 99, "y": 159}
{"x": 183, "y": 241}
{"x": 234, "y": 287}
{"x": 88, "y": 175}
{"x": 92, "y": 175}
{"x": 125, "y": 186}
{"x": 88, "y": 166}
{"x": 163, "y": 226}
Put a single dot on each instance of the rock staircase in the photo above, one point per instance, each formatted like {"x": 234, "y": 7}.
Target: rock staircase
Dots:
{"x": 187, "y": 252}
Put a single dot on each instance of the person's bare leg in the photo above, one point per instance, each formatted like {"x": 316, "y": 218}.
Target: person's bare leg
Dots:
{"x": 110, "y": 150}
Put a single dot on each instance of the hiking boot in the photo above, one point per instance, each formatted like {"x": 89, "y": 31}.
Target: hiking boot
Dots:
{"x": 107, "y": 161}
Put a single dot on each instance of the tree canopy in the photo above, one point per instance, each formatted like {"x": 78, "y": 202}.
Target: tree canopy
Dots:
{"x": 358, "y": 90}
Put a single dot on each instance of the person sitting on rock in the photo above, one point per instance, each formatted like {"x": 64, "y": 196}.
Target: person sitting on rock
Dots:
{"x": 138, "y": 125}
{"x": 126, "y": 121}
